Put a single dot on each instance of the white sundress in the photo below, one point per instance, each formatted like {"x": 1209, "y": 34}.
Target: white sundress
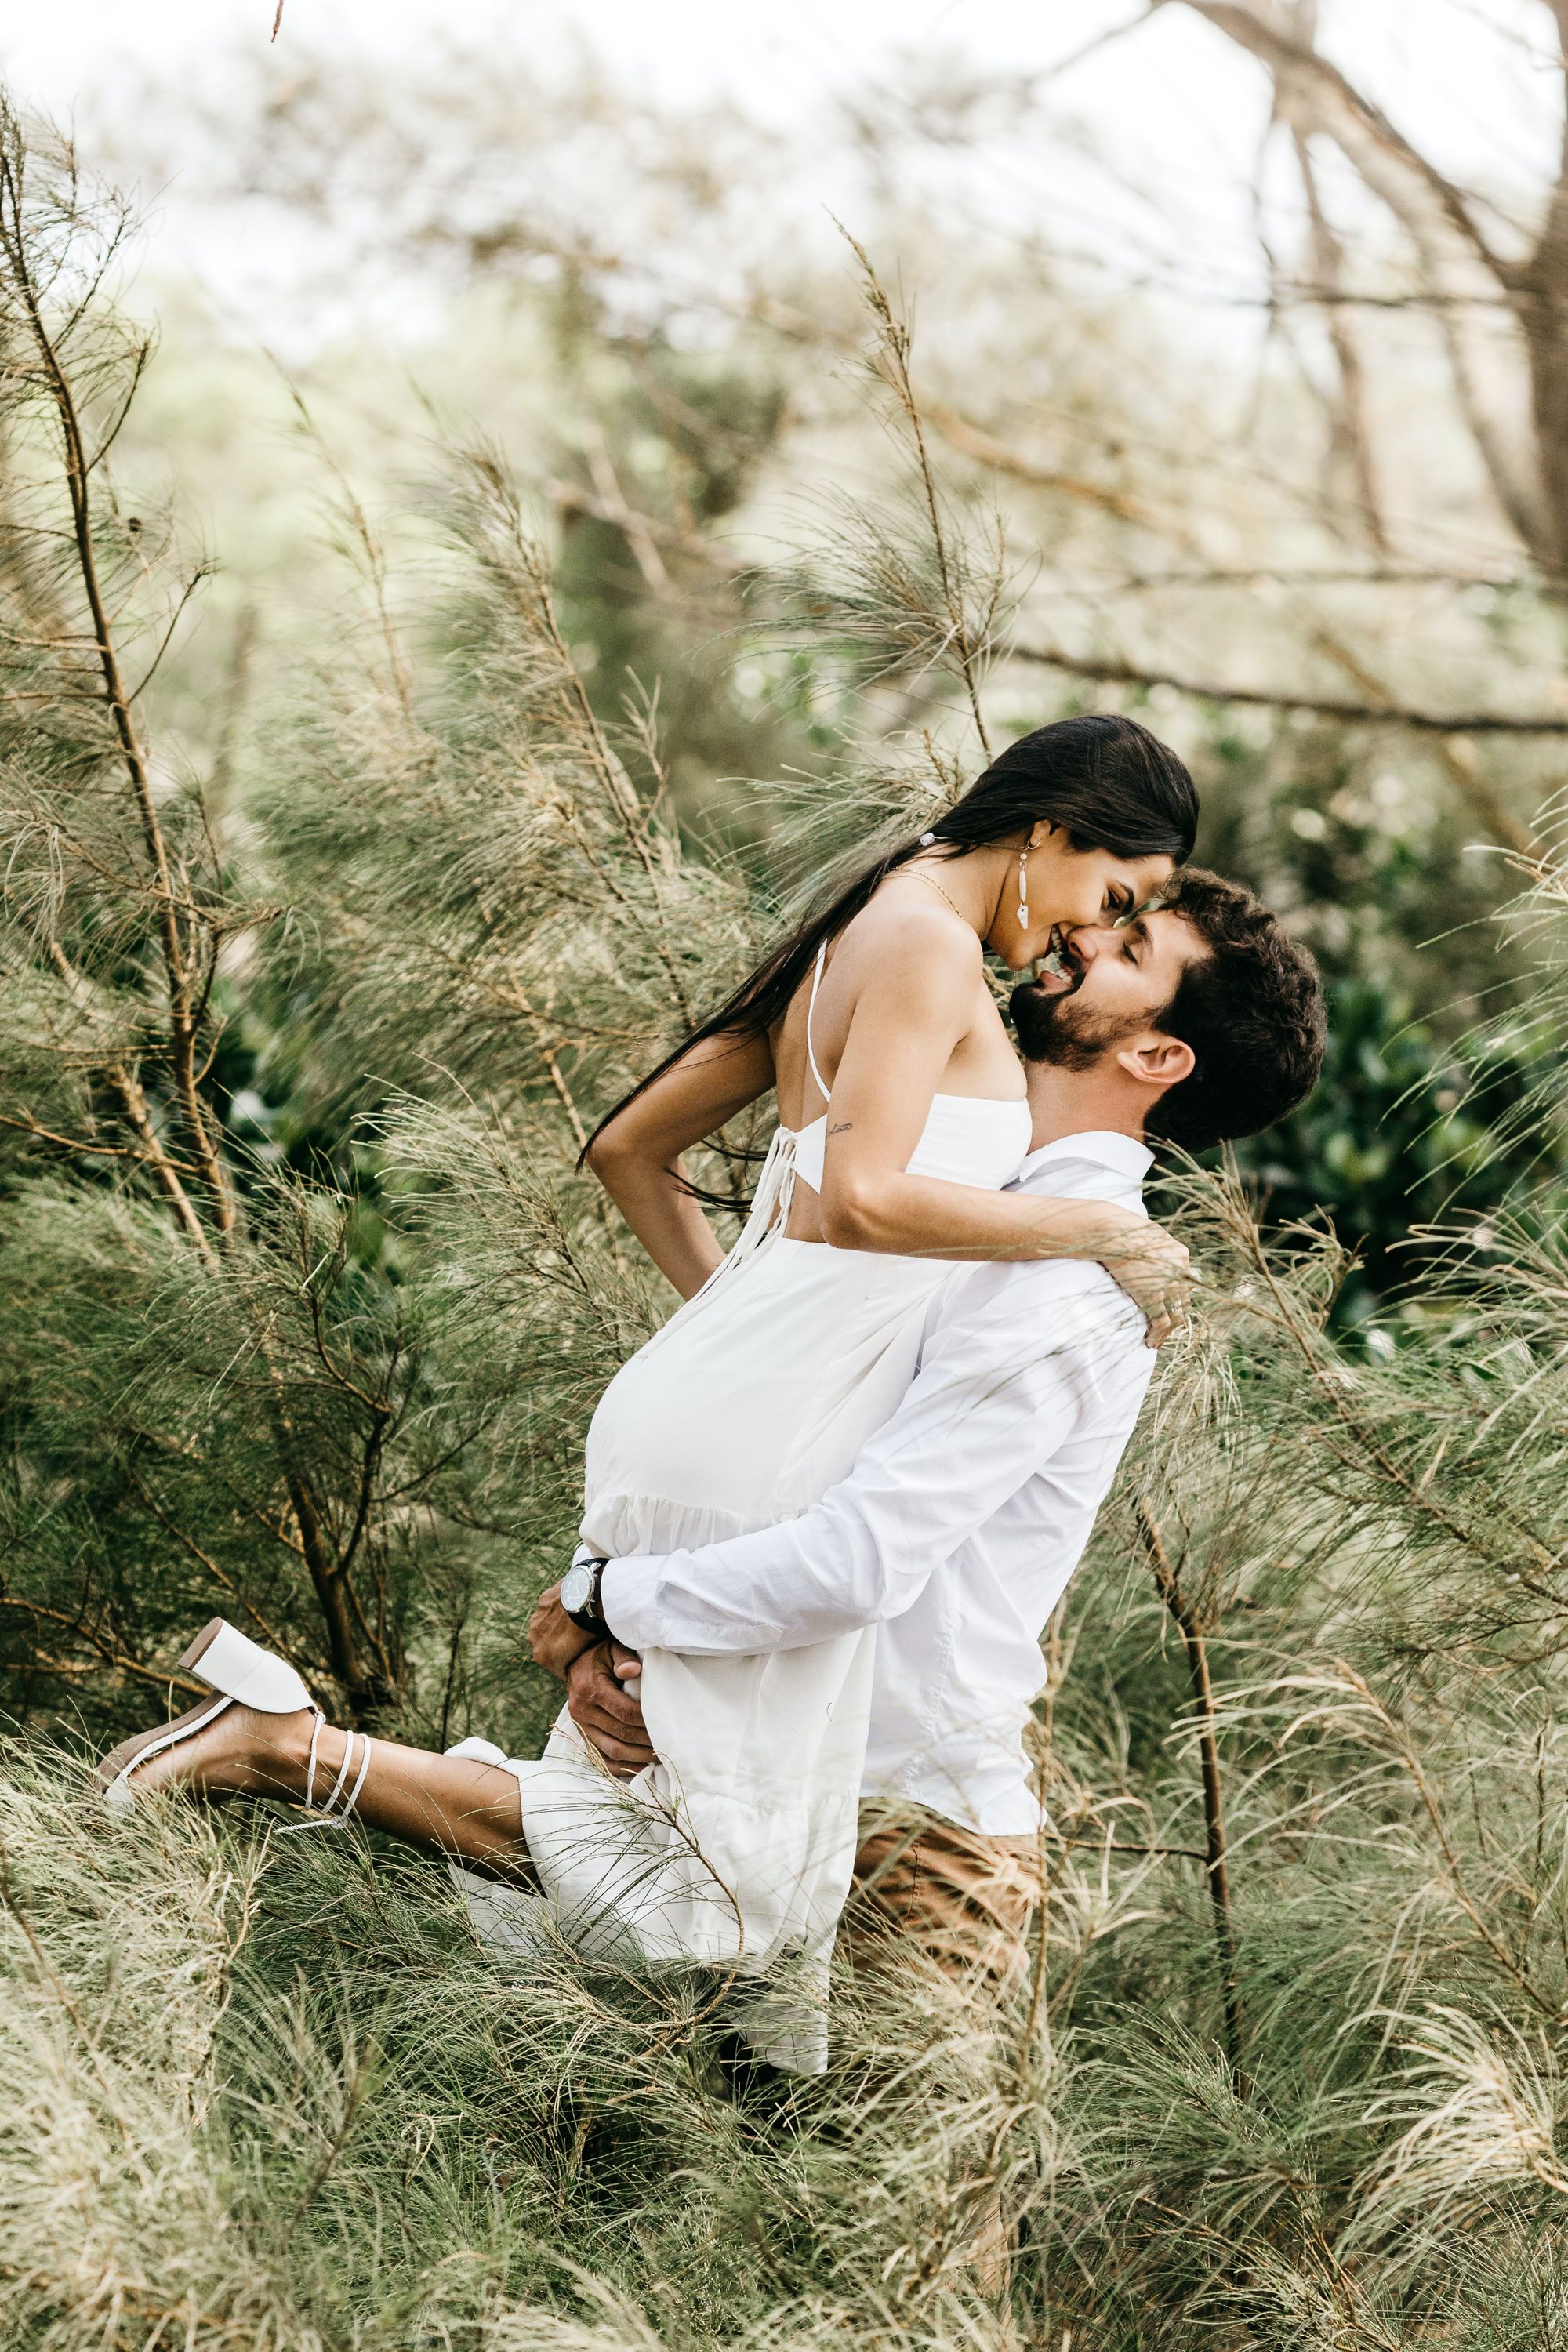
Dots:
{"x": 737, "y": 1847}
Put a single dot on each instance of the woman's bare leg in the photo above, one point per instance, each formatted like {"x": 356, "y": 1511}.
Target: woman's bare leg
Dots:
{"x": 447, "y": 1804}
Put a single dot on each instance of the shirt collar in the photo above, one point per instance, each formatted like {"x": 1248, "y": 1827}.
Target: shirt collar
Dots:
{"x": 1122, "y": 1154}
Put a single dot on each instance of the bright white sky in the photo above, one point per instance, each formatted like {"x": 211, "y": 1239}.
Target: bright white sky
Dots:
{"x": 1175, "y": 104}
{"x": 1435, "y": 52}
{"x": 1455, "y": 66}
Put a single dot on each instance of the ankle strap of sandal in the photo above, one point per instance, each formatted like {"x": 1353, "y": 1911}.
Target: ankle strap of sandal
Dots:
{"x": 337, "y": 1788}
{"x": 330, "y": 1814}
{"x": 353, "y": 1798}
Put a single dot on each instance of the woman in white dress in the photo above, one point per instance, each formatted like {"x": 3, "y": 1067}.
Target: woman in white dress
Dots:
{"x": 902, "y": 1117}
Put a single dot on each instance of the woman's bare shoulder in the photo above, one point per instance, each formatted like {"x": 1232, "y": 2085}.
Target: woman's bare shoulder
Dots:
{"x": 906, "y": 922}
{"x": 908, "y": 960}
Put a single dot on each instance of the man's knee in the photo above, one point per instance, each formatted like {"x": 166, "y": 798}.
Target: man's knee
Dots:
{"x": 965, "y": 1899}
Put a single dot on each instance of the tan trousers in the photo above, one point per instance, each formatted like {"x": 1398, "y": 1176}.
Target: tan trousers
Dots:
{"x": 965, "y": 1898}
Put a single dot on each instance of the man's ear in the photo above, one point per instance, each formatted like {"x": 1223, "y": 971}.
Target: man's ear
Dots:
{"x": 1157, "y": 1060}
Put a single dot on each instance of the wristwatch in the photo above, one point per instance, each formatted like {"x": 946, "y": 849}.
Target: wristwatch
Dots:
{"x": 580, "y": 1595}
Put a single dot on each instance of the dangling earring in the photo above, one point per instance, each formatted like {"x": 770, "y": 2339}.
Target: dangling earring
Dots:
{"x": 1023, "y": 889}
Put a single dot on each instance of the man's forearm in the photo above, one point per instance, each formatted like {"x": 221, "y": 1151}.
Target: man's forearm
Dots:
{"x": 987, "y": 1410}
{"x": 830, "y": 1572}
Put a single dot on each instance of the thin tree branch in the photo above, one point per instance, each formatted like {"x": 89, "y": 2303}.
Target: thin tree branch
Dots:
{"x": 1190, "y": 1627}
{"x": 894, "y": 341}
{"x": 205, "y": 1561}
{"x": 1352, "y": 428}
{"x": 17, "y": 250}
{"x": 107, "y": 1652}
{"x": 1112, "y": 672}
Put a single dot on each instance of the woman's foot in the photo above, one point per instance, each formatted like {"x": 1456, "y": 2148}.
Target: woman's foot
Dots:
{"x": 260, "y": 1730}
{"x": 239, "y": 1749}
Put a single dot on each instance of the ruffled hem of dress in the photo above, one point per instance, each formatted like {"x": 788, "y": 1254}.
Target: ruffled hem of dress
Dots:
{"x": 626, "y": 1526}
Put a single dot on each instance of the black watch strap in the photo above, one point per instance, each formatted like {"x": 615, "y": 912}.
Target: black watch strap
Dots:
{"x": 586, "y": 1612}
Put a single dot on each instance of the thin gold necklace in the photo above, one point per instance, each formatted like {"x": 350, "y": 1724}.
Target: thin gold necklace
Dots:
{"x": 916, "y": 875}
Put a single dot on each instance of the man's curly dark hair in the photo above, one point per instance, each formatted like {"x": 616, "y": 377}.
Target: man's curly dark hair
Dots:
{"x": 1251, "y": 1010}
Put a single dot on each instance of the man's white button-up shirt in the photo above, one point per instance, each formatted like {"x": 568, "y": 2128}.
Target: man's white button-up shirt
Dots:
{"x": 960, "y": 1524}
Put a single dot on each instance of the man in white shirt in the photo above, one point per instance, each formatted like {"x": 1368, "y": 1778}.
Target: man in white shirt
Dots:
{"x": 965, "y": 1517}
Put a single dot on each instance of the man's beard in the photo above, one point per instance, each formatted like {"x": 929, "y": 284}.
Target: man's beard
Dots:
{"x": 1058, "y": 1029}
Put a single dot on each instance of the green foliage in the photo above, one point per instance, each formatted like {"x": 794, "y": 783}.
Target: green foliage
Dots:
{"x": 303, "y": 1305}
{"x": 1435, "y": 1083}
{"x": 1399, "y": 1139}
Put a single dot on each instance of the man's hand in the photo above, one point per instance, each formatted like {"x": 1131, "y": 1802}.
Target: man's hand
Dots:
{"x": 602, "y": 1701}
{"x": 553, "y": 1637}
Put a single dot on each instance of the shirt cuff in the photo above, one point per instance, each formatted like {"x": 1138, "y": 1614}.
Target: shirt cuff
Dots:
{"x": 628, "y": 1592}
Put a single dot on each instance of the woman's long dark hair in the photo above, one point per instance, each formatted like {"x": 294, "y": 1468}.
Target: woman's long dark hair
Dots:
{"x": 1106, "y": 781}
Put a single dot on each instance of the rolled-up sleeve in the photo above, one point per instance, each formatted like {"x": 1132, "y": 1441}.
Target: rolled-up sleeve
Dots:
{"x": 1013, "y": 1356}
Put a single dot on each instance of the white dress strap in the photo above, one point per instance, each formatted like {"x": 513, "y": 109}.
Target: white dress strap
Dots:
{"x": 821, "y": 1085}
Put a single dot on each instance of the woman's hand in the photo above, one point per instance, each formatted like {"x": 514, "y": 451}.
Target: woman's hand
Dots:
{"x": 1155, "y": 1270}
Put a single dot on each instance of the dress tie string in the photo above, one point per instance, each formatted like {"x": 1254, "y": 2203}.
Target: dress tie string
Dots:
{"x": 773, "y": 1198}
{"x": 764, "y": 1224}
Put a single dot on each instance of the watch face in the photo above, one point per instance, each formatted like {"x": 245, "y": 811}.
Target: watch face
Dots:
{"x": 576, "y": 1585}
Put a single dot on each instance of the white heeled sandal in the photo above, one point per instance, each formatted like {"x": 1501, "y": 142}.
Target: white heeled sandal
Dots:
{"x": 242, "y": 1673}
